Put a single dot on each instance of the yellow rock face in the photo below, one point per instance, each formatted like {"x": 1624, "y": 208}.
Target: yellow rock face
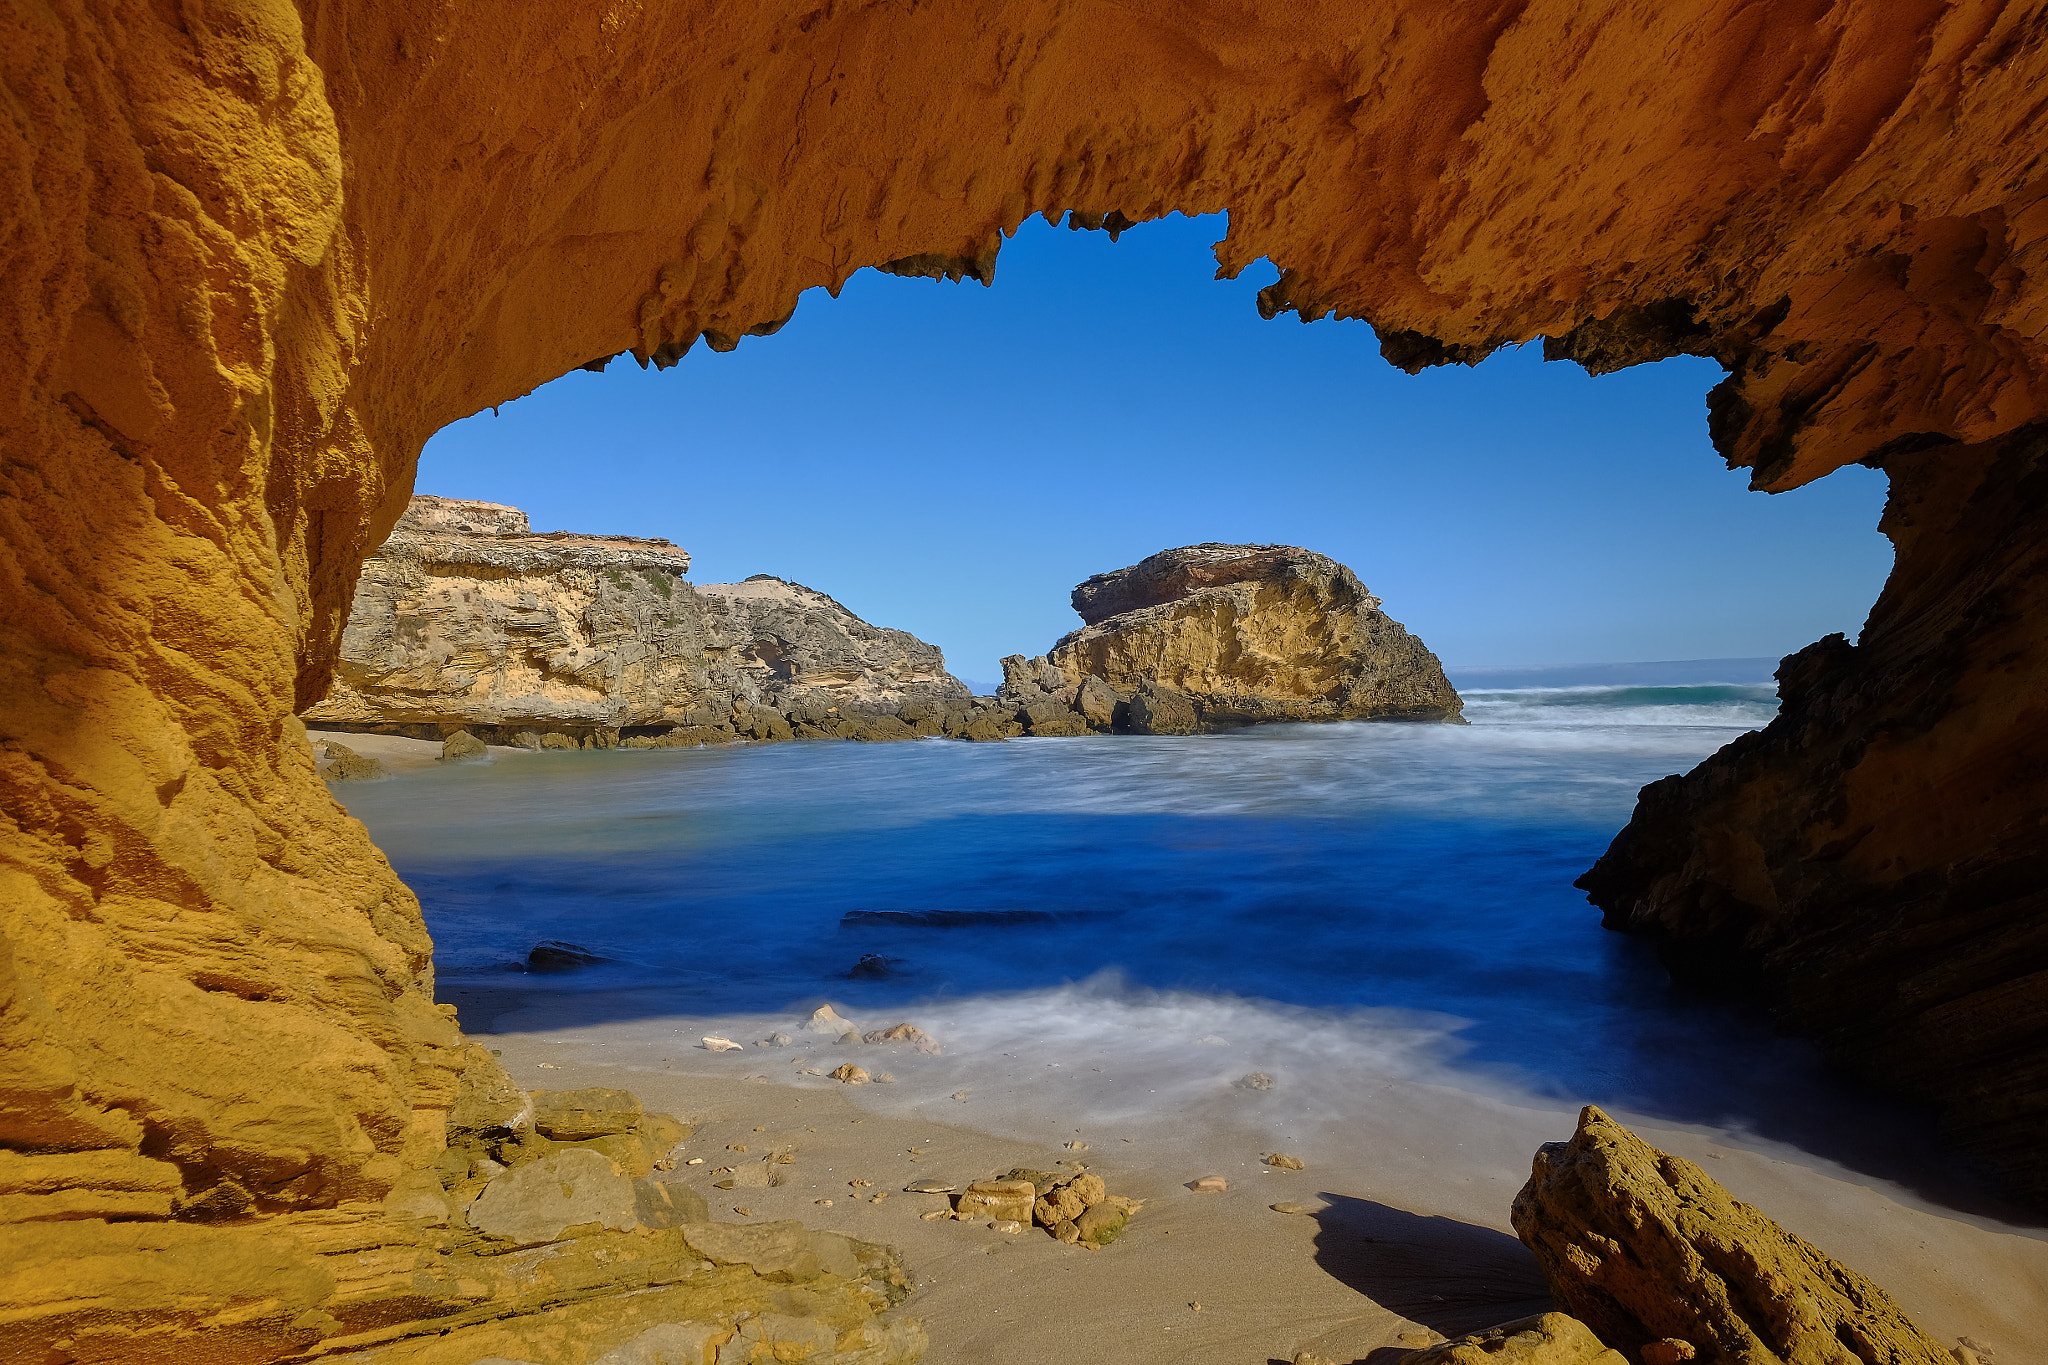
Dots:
{"x": 1251, "y": 633}
{"x": 255, "y": 254}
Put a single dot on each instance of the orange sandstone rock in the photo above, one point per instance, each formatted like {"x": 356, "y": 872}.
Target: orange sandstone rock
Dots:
{"x": 255, "y": 253}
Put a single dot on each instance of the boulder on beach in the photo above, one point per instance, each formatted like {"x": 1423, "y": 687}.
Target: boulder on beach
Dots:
{"x": 1213, "y": 635}
{"x": 1643, "y": 1246}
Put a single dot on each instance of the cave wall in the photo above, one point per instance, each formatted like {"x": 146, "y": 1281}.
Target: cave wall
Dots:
{"x": 256, "y": 252}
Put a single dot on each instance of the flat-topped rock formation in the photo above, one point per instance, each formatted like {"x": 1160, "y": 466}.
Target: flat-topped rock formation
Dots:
{"x": 1217, "y": 635}
{"x": 466, "y": 618}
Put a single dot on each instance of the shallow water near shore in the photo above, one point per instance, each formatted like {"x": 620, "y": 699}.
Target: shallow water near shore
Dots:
{"x": 1389, "y": 900}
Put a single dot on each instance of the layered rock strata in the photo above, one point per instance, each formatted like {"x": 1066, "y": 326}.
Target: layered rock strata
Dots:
{"x": 1644, "y": 1247}
{"x": 1874, "y": 862}
{"x": 466, "y": 619}
{"x": 1210, "y": 636}
{"x": 258, "y": 253}
{"x": 545, "y": 1232}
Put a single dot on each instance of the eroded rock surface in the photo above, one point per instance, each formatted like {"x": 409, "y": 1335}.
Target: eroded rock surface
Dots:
{"x": 1874, "y": 862}
{"x": 1642, "y": 1246}
{"x": 1247, "y": 633}
{"x": 254, "y": 261}
{"x": 464, "y": 618}
{"x": 1546, "y": 1339}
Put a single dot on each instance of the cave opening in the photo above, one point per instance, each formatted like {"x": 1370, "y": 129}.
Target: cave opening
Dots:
{"x": 951, "y": 460}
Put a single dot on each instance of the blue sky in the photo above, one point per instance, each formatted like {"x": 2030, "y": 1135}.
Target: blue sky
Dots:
{"x": 951, "y": 460}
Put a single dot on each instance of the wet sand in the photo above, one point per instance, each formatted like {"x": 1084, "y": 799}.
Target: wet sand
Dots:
{"x": 396, "y": 752}
{"x": 1406, "y": 1189}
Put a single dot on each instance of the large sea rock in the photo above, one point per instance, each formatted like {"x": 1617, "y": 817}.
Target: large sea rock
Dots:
{"x": 1218, "y": 635}
{"x": 465, "y": 617}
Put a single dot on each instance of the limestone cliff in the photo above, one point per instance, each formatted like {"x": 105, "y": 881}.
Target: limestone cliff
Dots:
{"x": 1250, "y": 633}
{"x": 1873, "y": 862}
{"x": 466, "y": 618}
{"x": 257, "y": 252}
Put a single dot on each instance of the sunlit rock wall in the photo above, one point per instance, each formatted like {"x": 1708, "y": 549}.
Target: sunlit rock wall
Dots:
{"x": 255, "y": 253}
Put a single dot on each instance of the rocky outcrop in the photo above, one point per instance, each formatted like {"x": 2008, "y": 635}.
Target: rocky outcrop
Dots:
{"x": 466, "y": 619}
{"x": 1645, "y": 1247}
{"x": 1220, "y": 635}
{"x": 1546, "y": 1339}
{"x": 553, "y": 1250}
{"x": 1873, "y": 863}
{"x": 257, "y": 254}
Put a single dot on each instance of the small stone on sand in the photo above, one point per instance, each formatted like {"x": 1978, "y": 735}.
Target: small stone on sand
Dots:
{"x": 1284, "y": 1162}
{"x": 860, "y": 1184}
{"x": 742, "y": 1210}
{"x": 880, "y": 1195}
{"x": 935, "y": 1215}
{"x": 1007, "y": 1225}
{"x": 713, "y": 1043}
{"x": 735, "y": 1146}
{"x": 1257, "y": 1080}
{"x": 1195, "y": 1307}
{"x": 930, "y": 1187}
{"x": 849, "y": 1074}
{"x": 1209, "y": 1184}
{"x": 823, "y": 1203}
{"x": 1289, "y": 1208}
{"x": 849, "y": 1037}
{"x": 828, "y": 1021}
{"x": 1077, "y": 1146}
{"x": 694, "y": 1161}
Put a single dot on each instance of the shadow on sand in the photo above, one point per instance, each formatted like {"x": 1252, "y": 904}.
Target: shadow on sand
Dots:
{"x": 1447, "y": 1275}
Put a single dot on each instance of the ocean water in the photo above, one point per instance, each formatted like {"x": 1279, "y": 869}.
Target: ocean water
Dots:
{"x": 1395, "y": 898}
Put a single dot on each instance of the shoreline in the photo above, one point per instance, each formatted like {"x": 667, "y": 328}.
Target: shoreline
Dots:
{"x": 1406, "y": 1194}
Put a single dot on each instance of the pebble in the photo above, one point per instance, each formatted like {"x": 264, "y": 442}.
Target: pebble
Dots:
{"x": 1209, "y": 1184}
{"x": 930, "y": 1187}
{"x": 1284, "y": 1162}
{"x": 742, "y": 1210}
{"x": 825, "y": 1019}
{"x": 849, "y": 1074}
{"x": 735, "y": 1146}
{"x": 713, "y": 1043}
{"x": 860, "y": 1184}
{"x": 880, "y": 1195}
{"x": 823, "y": 1203}
{"x": 1077, "y": 1146}
{"x": 1008, "y": 1225}
{"x": 1289, "y": 1208}
{"x": 1257, "y": 1080}
{"x": 850, "y": 1037}
{"x": 935, "y": 1215}
{"x": 1195, "y": 1307}
{"x": 694, "y": 1161}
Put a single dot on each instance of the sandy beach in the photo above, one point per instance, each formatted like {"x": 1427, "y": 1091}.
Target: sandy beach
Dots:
{"x": 1405, "y": 1193}
{"x": 397, "y": 753}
